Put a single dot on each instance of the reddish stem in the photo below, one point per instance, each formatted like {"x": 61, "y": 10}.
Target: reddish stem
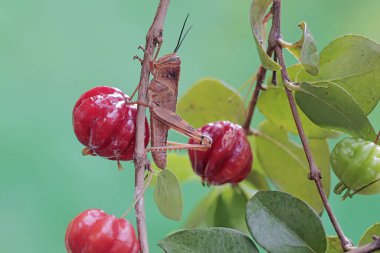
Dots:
{"x": 377, "y": 138}
{"x": 153, "y": 37}
{"x": 315, "y": 174}
{"x": 260, "y": 76}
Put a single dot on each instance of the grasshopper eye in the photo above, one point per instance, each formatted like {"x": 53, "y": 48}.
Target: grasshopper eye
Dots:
{"x": 174, "y": 58}
{"x": 206, "y": 140}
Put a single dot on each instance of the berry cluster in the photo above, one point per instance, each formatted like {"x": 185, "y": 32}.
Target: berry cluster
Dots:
{"x": 105, "y": 122}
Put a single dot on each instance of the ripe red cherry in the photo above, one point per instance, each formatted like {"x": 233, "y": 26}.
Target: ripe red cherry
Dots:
{"x": 229, "y": 160}
{"x": 94, "y": 231}
{"x": 106, "y": 124}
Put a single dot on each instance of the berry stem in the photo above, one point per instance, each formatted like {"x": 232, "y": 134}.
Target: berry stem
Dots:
{"x": 153, "y": 37}
{"x": 377, "y": 137}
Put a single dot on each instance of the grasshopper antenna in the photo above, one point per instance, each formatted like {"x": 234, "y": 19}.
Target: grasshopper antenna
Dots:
{"x": 180, "y": 39}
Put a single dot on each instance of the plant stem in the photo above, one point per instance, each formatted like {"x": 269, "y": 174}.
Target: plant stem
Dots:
{"x": 370, "y": 247}
{"x": 153, "y": 37}
{"x": 315, "y": 174}
{"x": 377, "y": 138}
{"x": 260, "y": 76}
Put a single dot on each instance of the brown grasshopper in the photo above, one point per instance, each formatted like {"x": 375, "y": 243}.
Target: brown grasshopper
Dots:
{"x": 162, "y": 102}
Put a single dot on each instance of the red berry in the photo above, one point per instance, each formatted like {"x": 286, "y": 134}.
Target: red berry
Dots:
{"x": 106, "y": 124}
{"x": 94, "y": 231}
{"x": 229, "y": 160}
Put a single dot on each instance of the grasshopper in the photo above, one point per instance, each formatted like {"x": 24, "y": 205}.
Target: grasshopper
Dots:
{"x": 162, "y": 102}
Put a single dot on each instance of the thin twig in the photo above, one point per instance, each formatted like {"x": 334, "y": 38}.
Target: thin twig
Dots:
{"x": 315, "y": 173}
{"x": 377, "y": 138}
{"x": 260, "y": 77}
{"x": 153, "y": 37}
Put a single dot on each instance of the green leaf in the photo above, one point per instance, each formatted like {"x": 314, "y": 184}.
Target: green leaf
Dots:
{"x": 367, "y": 237}
{"x": 279, "y": 222}
{"x": 168, "y": 195}
{"x": 210, "y": 240}
{"x": 198, "y": 216}
{"x": 210, "y": 100}
{"x": 330, "y": 106}
{"x": 256, "y": 177}
{"x": 351, "y": 62}
{"x": 305, "y": 50}
{"x": 286, "y": 166}
{"x": 273, "y": 103}
{"x": 222, "y": 207}
{"x": 228, "y": 210}
{"x": 180, "y": 165}
{"x": 292, "y": 73}
{"x": 259, "y": 9}
{"x": 258, "y": 180}
{"x": 333, "y": 245}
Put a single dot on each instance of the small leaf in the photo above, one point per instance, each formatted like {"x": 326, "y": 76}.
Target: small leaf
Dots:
{"x": 168, "y": 195}
{"x": 286, "y": 166}
{"x": 305, "y": 50}
{"x": 197, "y": 216}
{"x": 282, "y": 223}
{"x": 228, "y": 210}
{"x": 336, "y": 109}
{"x": 273, "y": 103}
{"x": 222, "y": 207}
{"x": 180, "y": 165}
{"x": 211, "y": 100}
{"x": 257, "y": 179}
{"x": 210, "y": 240}
{"x": 367, "y": 237}
{"x": 258, "y": 13}
{"x": 333, "y": 245}
{"x": 351, "y": 62}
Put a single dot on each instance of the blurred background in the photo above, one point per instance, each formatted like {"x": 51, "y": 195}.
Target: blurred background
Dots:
{"x": 52, "y": 51}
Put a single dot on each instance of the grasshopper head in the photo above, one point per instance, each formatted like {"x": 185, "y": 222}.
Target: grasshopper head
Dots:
{"x": 206, "y": 141}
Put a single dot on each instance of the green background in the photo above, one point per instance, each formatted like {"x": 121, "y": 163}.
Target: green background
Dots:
{"x": 52, "y": 51}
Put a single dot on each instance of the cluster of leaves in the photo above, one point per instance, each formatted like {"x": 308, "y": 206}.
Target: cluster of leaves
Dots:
{"x": 337, "y": 89}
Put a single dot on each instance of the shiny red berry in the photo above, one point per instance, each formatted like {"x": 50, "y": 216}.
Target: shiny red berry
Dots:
{"x": 229, "y": 160}
{"x": 106, "y": 124}
{"x": 94, "y": 231}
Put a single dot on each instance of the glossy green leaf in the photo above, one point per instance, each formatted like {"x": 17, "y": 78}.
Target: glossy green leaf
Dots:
{"x": 330, "y": 106}
{"x": 274, "y": 104}
{"x": 198, "y": 215}
{"x": 168, "y": 195}
{"x": 305, "y": 50}
{"x": 222, "y": 207}
{"x": 367, "y": 237}
{"x": 259, "y": 9}
{"x": 351, "y": 62}
{"x": 210, "y": 240}
{"x": 281, "y": 223}
{"x": 333, "y": 245}
{"x": 228, "y": 210}
{"x": 286, "y": 166}
{"x": 256, "y": 177}
{"x": 258, "y": 180}
{"x": 180, "y": 165}
{"x": 211, "y": 100}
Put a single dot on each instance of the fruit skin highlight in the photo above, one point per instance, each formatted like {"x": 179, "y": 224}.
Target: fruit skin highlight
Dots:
{"x": 356, "y": 163}
{"x": 229, "y": 160}
{"x": 94, "y": 231}
{"x": 105, "y": 123}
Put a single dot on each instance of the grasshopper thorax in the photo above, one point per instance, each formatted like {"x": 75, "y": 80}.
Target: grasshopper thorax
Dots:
{"x": 167, "y": 66}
